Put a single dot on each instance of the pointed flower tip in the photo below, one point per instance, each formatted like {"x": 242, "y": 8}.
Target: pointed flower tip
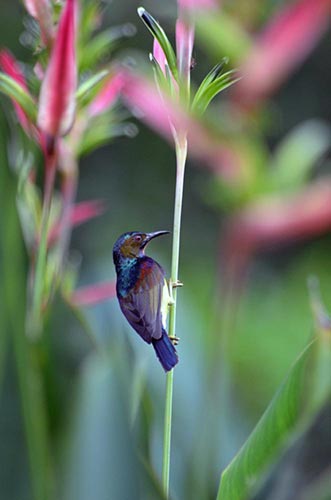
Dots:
{"x": 57, "y": 96}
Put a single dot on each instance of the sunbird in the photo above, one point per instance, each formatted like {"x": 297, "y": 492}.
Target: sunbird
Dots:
{"x": 143, "y": 293}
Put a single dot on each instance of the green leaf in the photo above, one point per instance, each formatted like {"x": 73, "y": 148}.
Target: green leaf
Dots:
{"x": 102, "y": 45}
{"x": 159, "y": 33}
{"x": 300, "y": 397}
{"x": 105, "y": 128}
{"x": 29, "y": 211}
{"x": 298, "y": 153}
{"x": 214, "y": 73}
{"x": 219, "y": 33}
{"x": 84, "y": 90}
{"x": 13, "y": 90}
{"x": 210, "y": 88}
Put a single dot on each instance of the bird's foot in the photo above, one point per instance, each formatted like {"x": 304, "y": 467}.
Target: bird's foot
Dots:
{"x": 175, "y": 340}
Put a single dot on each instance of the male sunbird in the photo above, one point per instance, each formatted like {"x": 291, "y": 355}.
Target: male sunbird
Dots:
{"x": 142, "y": 291}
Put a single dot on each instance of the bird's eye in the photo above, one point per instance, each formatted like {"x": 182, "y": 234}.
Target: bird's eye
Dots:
{"x": 138, "y": 238}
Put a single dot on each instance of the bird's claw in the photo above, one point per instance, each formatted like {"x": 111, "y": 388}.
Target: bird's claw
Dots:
{"x": 174, "y": 339}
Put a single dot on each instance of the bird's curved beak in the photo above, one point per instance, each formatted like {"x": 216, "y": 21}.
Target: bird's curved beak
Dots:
{"x": 150, "y": 236}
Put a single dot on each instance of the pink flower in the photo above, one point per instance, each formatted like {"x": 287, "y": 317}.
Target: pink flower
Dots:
{"x": 184, "y": 47}
{"x": 9, "y": 65}
{"x": 283, "y": 45}
{"x": 93, "y": 294}
{"x": 163, "y": 114}
{"x": 80, "y": 213}
{"x": 41, "y": 10}
{"x": 57, "y": 95}
{"x": 197, "y": 4}
{"x": 159, "y": 55}
{"x": 108, "y": 94}
{"x": 273, "y": 221}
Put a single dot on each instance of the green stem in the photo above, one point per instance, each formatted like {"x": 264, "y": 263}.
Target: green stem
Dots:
{"x": 35, "y": 323}
{"x": 69, "y": 189}
{"x": 181, "y": 154}
{"x": 29, "y": 373}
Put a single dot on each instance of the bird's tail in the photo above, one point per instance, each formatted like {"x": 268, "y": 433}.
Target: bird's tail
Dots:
{"x": 165, "y": 351}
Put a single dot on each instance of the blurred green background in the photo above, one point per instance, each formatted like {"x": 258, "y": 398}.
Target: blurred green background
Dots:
{"x": 105, "y": 404}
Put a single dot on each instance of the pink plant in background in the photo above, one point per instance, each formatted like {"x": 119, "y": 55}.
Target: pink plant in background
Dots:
{"x": 41, "y": 10}
{"x": 57, "y": 95}
{"x": 47, "y": 122}
{"x": 162, "y": 113}
{"x": 184, "y": 48}
{"x": 93, "y": 294}
{"x": 70, "y": 122}
{"x": 9, "y": 66}
{"x": 79, "y": 213}
{"x": 272, "y": 221}
{"x": 159, "y": 55}
{"x": 168, "y": 107}
{"x": 280, "y": 48}
{"x": 108, "y": 94}
{"x": 198, "y": 4}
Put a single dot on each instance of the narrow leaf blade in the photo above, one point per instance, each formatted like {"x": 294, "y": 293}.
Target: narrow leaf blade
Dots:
{"x": 16, "y": 92}
{"x": 300, "y": 397}
{"x": 85, "y": 89}
{"x": 159, "y": 33}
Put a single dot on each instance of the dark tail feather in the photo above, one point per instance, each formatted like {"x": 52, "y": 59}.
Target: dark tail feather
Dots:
{"x": 165, "y": 351}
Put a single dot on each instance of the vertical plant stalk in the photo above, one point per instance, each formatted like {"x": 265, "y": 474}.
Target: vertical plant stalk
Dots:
{"x": 181, "y": 154}
{"x": 29, "y": 377}
{"x": 40, "y": 268}
{"x": 69, "y": 189}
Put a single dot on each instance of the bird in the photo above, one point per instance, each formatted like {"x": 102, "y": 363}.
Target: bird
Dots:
{"x": 143, "y": 293}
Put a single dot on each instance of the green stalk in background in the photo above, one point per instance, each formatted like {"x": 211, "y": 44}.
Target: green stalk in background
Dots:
{"x": 35, "y": 320}
{"x": 27, "y": 355}
{"x": 181, "y": 154}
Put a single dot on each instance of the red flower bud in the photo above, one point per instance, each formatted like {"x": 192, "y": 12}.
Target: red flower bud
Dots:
{"x": 286, "y": 41}
{"x": 57, "y": 96}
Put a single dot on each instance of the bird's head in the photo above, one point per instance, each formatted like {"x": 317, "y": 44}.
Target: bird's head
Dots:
{"x": 132, "y": 245}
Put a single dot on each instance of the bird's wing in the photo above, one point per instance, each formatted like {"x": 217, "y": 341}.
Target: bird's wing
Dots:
{"x": 142, "y": 306}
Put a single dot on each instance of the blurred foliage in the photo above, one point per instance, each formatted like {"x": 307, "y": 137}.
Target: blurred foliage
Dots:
{"x": 104, "y": 390}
